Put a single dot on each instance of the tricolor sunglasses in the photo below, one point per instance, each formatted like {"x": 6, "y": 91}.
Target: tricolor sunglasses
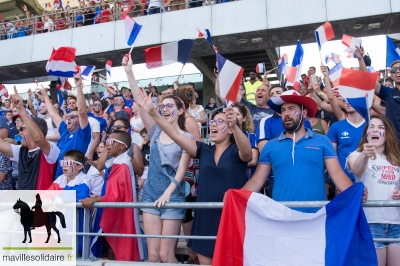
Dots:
{"x": 68, "y": 162}
{"x": 110, "y": 141}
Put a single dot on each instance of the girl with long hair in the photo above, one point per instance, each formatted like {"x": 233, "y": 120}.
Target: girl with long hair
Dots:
{"x": 221, "y": 167}
{"x": 245, "y": 122}
{"x": 376, "y": 163}
{"x": 167, "y": 167}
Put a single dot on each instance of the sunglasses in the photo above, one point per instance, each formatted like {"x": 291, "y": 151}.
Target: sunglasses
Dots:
{"x": 111, "y": 141}
{"x": 117, "y": 127}
{"x": 97, "y": 104}
{"x": 68, "y": 162}
{"x": 394, "y": 69}
{"x": 218, "y": 121}
{"x": 168, "y": 106}
{"x": 71, "y": 116}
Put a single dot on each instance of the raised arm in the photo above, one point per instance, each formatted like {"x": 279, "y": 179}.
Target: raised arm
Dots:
{"x": 186, "y": 143}
{"x": 146, "y": 118}
{"x": 50, "y": 108}
{"x": 332, "y": 99}
{"x": 34, "y": 132}
{"x": 30, "y": 105}
{"x": 81, "y": 102}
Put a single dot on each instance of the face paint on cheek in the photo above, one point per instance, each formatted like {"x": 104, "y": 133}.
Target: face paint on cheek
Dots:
{"x": 173, "y": 113}
{"x": 296, "y": 113}
{"x": 381, "y": 134}
{"x": 223, "y": 129}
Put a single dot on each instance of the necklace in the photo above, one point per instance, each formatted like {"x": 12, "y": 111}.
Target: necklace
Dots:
{"x": 34, "y": 153}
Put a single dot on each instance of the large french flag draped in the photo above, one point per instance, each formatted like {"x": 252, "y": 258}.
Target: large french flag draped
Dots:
{"x": 357, "y": 87}
{"x": 293, "y": 72}
{"x": 351, "y": 42}
{"x": 132, "y": 29}
{"x": 168, "y": 53}
{"x": 392, "y": 52}
{"x": 229, "y": 78}
{"x": 324, "y": 33}
{"x": 256, "y": 230}
{"x": 121, "y": 188}
{"x": 61, "y": 62}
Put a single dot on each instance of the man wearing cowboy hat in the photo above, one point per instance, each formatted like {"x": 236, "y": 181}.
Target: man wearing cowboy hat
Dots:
{"x": 298, "y": 157}
{"x": 391, "y": 96}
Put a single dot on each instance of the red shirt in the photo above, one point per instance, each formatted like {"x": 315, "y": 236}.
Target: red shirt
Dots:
{"x": 105, "y": 15}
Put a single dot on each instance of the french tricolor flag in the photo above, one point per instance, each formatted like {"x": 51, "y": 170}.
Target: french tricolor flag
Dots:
{"x": 3, "y": 91}
{"x": 260, "y": 68}
{"x": 357, "y": 87}
{"x": 108, "y": 67}
{"x": 61, "y": 62}
{"x": 324, "y": 33}
{"x": 229, "y": 77}
{"x": 132, "y": 29}
{"x": 282, "y": 62}
{"x": 351, "y": 42}
{"x": 293, "y": 72}
{"x": 335, "y": 73}
{"x": 256, "y": 230}
{"x": 335, "y": 58}
{"x": 393, "y": 52}
{"x": 168, "y": 53}
{"x": 85, "y": 71}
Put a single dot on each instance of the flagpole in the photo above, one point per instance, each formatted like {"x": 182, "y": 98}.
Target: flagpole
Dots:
{"x": 180, "y": 73}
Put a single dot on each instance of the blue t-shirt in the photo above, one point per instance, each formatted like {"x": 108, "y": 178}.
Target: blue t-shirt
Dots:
{"x": 303, "y": 180}
{"x": 392, "y": 100}
{"x": 272, "y": 127}
{"x": 78, "y": 139}
{"x": 101, "y": 120}
{"x": 346, "y": 136}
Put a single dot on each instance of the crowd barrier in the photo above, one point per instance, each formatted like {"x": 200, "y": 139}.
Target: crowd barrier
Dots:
{"x": 199, "y": 205}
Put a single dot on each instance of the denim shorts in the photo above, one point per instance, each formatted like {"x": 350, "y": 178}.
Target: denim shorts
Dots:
{"x": 385, "y": 231}
{"x": 152, "y": 192}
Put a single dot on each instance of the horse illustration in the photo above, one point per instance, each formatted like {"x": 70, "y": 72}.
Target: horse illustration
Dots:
{"x": 31, "y": 219}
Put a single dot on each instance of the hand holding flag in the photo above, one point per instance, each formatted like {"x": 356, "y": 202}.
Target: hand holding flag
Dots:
{"x": 351, "y": 42}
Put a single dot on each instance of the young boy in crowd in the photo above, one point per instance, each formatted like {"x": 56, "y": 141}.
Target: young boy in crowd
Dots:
{"x": 120, "y": 188}
{"x": 74, "y": 179}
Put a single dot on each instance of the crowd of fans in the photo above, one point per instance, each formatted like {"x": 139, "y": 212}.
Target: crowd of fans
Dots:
{"x": 309, "y": 149}
{"x": 89, "y": 13}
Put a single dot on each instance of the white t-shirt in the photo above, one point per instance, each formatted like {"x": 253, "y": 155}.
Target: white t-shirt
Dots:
{"x": 381, "y": 179}
{"x": 196, "y": 113}
{"x": 50, "y": 128}
{"x": 12, "y": 28}
{"x": 155, "y": 3}
{"x": 94, "y": 127}
{"x": 136, "y": 138}
{"x": 48, "y": 25}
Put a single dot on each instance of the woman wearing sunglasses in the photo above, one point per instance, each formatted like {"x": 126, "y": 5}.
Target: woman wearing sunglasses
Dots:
{"x": 376, "y": 163}
{"x": 222, "y": 166}
{"x": 167, "y": 167}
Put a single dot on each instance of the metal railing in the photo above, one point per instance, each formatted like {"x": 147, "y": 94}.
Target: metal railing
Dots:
{"x": 117, "y": 13}
{"x": 199, "y": 205}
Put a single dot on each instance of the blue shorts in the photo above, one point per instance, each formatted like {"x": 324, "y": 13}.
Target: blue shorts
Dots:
{"x": 151, "y": 193}
{"x": 385, "y": 231}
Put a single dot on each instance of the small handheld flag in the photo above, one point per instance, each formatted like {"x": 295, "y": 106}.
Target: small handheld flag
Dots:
{"x": 108, "y": 67}
{"x": 229, "y": 75}
{"x": 282, "y": 62}
{"x": 260, "y": 68}
{"x": 335, "y": 73}
{"x": 335, "y": 58}
{"x": 132, "y": 29}
{"x": 94, "y": 78}
{"x": 24, "y": 8}
{"x": 324, "y": 33}
{"x": 61, "y": 62}
{"x": 168, "y": 53}
{"x": 392, "y": 52}
{"x": 207, "y": 35}
{"x": 3, "y": 91}
{"x": 85, "y": 71}
{"x": 293, "y": 72}
{"x": 351, "y": 42}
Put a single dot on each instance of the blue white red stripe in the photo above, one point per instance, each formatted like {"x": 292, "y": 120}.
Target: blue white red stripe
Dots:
{"x": 392, "y": 52}
{"x": 282, "y": 62}
{"x": 108, "y": 67}
{"x": 357, "y": 87}
{"x": 229, "y": 77}
{"x": 61, "y": 62}
{"x": 293, "y": 72}
{"x": 260, "y": 68}
{"x": 168, "y": 53}
{"x": 132, "y": 30}
{"x": 324, "y": 33}
{"x": 261, "y": 231}
{"x": 3, "y": 91}
{"x": 335, "y": 73}
{"x": 86, "y": 71}
{"x": 351, "y": 42}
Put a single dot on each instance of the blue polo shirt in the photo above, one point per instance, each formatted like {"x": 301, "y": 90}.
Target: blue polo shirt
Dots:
{"x": 303, "y": 180}
{"x": 391, "y": 96}
{"x": 271, "y": 127}
{"x": 78, "y": 140}
{"x": 346, "y": 136}
{"x": 252, "y": 137}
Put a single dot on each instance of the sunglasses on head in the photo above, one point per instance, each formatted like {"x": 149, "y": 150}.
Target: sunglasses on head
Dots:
{"x": 68, "y": 162}
{"x": 111, "y": 141}
{"x": 168, "y": 106}
{"x": 394, "y": 69}
{"x": 118, "y": 127}
{"x": 218, "y": 121}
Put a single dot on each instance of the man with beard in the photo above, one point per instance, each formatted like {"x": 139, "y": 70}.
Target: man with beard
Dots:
{"x": 97, "y": 108}
{"x": 298, "y": 156}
